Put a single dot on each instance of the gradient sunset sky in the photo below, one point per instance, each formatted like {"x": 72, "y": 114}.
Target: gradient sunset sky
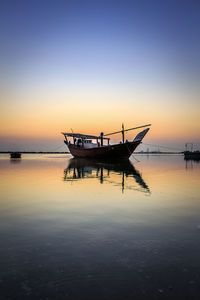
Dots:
{"x": 91, "y": 65}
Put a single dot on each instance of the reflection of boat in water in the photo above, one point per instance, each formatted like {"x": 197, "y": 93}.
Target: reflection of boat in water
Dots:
{"x": 80, "y": 168}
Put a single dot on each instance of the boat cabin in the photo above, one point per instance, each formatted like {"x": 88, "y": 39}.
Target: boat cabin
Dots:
{"x": 85, "y": 141}
{"x": 89, "y": 144}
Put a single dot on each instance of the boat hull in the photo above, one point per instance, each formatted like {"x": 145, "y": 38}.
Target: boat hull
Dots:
{"x": 15, "y": 155}
{"x": 189, "y": 155}
{"x": 118, "y": 151}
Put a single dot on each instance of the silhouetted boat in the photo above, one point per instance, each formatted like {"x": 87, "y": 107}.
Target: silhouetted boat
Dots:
{"x": 15, "y": 155}
{"x": 83, "y": 146}
{"x": 80, "y": 168}
{"x": 192, "y": 155}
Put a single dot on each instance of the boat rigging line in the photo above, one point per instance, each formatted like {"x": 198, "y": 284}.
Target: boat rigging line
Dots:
{"x": 160, "y": 146}
{"x": 123, "y": 130}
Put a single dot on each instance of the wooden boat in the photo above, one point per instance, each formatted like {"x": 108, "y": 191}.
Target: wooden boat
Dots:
{"x": 82, "y": 145}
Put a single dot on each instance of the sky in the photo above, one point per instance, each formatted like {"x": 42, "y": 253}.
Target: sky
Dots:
{"x": 91, "y": 65}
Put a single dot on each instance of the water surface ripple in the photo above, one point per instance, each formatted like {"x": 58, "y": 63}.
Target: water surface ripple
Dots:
{"x": 78, "y": 229}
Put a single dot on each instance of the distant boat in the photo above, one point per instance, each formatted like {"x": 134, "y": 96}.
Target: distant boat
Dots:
{"x": 15, "y": 155}
{"x": 83, "y": 146}
{"x": 192, "y": 155}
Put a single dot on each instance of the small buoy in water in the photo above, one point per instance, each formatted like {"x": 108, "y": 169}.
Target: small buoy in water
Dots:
{"x": 15, "y": 155}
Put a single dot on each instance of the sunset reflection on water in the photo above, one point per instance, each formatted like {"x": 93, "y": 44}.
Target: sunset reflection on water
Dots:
{"x": 93, "y": 230}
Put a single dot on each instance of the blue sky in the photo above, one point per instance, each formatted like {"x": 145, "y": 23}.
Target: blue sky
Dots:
{"x": 100, "y": 46}
{"x": 76, "y": 37}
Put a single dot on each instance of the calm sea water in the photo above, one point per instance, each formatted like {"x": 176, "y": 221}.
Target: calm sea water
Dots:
{"x": 72, "y": 229}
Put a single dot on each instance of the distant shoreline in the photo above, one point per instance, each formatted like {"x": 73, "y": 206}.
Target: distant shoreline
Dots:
{"x": 66, "y": 152}
{"x": 154, "y": 152}
{"x": 34, "y": 152}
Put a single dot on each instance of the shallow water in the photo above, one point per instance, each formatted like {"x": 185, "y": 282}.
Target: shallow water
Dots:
{"x": 85, "y": 230}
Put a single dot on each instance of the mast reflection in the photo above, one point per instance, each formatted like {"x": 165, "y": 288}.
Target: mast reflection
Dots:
{"x": 79, "y": 168}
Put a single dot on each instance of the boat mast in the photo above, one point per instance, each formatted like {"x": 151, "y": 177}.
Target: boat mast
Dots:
{"x": 123, "y": 133}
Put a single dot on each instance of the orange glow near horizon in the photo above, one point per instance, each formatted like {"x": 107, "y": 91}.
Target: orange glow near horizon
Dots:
{"x": 28, "y": 117}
